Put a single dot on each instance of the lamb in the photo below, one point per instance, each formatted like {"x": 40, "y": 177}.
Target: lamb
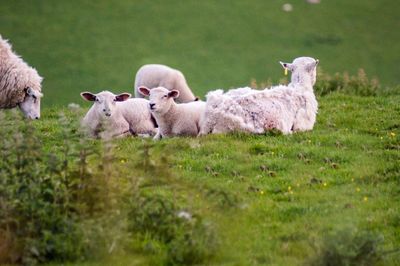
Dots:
{"x": 152, "y": 76}
{"x": 20, "y": 84}
{"x": 287, "y": 109}
{"x": 117, "y": 116}
{"x": 173, "y": 119}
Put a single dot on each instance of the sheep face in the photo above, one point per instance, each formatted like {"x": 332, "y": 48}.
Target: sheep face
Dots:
{"x": 161, "y": 99}
{"x": 303, "y": 69}
{"x": 31, "y": 104}
{"x": 105, "y": 102}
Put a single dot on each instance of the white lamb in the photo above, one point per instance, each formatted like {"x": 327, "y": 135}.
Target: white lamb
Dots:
{"x": 152, "y": 76}
{"x": 117, "y": 116}
{"x": 20, "y": 84}
{"x": 285, "y": 108}
{"x": 173, "y": 119}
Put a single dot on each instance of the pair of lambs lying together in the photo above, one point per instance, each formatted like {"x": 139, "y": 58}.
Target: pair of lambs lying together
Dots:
{"x": 288, "y": 108}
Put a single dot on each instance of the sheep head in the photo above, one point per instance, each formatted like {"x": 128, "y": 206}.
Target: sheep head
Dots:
{"x": 105, "y": 101}
{"x": 30, "y": 106}
{"x": 161, "y": 99}
{"x": 304, "y": 70}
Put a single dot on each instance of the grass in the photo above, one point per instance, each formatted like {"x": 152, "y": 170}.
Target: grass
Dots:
{"x": 86, "y": 45}
{"x": 274, "y": 199}
{"x": 307, "y": 198}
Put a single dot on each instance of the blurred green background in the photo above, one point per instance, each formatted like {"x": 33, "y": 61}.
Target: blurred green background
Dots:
{"x": 95, "y": 45}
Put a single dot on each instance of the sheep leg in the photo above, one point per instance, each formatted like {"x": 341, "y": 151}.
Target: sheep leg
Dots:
{"x": 158, "y": 135}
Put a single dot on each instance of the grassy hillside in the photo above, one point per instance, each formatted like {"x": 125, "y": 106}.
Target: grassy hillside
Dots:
{"x": 308, "y": 198}
{"x": 94, "y": 45}
{"x": 326, "y": 197}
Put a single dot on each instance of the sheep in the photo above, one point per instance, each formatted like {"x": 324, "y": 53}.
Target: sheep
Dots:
{"x": 173, "y": 119}
{"x": 287, "y": 109}
{"x": 20, "y": 84}
{"x": 117, "y": 116}
{"x": 152, "y": 76}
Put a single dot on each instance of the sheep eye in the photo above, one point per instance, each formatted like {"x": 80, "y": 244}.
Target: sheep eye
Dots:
{"x": 165, "y": 96}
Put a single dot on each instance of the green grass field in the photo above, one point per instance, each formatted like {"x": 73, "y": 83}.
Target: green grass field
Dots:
{"x": 96, "y": 45}
{"x": 275, "y": 199}
{"x": 326, "y": 197}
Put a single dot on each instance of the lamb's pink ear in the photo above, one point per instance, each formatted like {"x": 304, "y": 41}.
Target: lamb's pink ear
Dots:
{"x": 88, "y": 96}
{"x": 144, "y": 91}
{"x": 173, "y": 94}
{"x": 122, "y": 97}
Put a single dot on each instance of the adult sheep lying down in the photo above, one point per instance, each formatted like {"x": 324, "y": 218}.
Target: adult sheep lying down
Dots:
{"x": 20, "y": 84}
{"x": 114, "y": 116}
{"x": 287, "y": 109}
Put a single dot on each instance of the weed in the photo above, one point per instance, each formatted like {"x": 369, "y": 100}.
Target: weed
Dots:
{"x": 45, "y": 195}
{"x": 37, "y": 214}
{"x": 348, "y": 247}
{"x": 359, "y": 84}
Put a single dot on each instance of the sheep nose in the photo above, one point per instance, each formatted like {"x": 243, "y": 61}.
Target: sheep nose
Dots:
{"x": 36, "y": 117}
{"x": 152, "y": 106}
{"x": 108, "y": 114}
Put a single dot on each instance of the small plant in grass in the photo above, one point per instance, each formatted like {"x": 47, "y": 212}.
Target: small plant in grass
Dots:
{"x": 359, "y": 84}
{"x": 194, "y": 243}
{"x": 222, "y": 198}
{"x": 348, "y": 247}
{"x": 155, "y": 214}
{"x": 162, "y": 225}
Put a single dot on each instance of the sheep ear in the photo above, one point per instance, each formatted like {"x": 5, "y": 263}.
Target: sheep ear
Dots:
{"x": 122, "y": 97}
{"x": 311, "y": 66}
{"x": 144, "y": 90}
{"x": 88, "y": 96}
{"x": 286, "y": 65}
{"x": 173, "y": 94}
